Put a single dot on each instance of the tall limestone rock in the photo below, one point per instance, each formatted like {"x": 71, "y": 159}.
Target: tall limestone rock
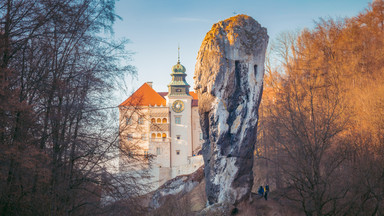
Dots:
{"x": 229, "y": 81}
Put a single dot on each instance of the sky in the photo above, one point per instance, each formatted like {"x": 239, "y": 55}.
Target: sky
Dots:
{"x": 155, "y": 28}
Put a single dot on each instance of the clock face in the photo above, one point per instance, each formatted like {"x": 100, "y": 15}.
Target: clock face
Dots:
{"x": 178, "y": 106}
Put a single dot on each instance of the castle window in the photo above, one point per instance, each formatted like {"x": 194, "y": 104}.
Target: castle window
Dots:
{"x": 144, "y": 137}
{"x": 178, "y": 152}
{"x": 164, "y": 135}
{"x": 128, "y": 121}
{"x": 178, "y": 137}
{"x": 158, "y": 120}
{"x": 177, "y": 119}
{"x": 140, "y": 120}
{"x": 153, "y": 120}
{"x": 164, "y": 121}
{"x": 158, "y": 151}
{"x": 158, "y": 135}
{"x": 129, "y": 137}
{"x": 153, "y": 136}
{"x": 201, "y": 136}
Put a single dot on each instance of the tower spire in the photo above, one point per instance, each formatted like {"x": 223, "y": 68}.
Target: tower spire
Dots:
{"x": 178, "y": 54}
{"x": 178, "y": 86}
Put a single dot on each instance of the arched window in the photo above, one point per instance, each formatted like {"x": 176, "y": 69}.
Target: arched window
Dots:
{"x": 164, "y": 135}
{"x": 158, "y": 135}
{"x": 159, "y": 120}
{"x": 153, "y": 135}
{"x": 164, "y": 121}
{"x": 140, "y": 120}
{"x": 153, "y": 120}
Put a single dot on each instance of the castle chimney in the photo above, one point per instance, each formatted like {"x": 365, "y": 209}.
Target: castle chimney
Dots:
{"x": 150, "y": 84}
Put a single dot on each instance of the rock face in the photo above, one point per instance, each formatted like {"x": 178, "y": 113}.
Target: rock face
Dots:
{"x": 178, "y": 187}
{"x": 229, "y": 79}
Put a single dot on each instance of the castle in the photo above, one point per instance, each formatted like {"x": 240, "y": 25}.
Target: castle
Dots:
{"x": 164, "y": 125}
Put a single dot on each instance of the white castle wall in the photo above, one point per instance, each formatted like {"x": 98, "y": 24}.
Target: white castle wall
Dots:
{"x": 162, "y": 174}
{"x": 196, "y": 131}
{"x": 194, "y": 163}
{"x": 184, "y": 130}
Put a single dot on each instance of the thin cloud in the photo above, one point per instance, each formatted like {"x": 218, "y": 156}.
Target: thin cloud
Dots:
{"x": 190, "y": 19}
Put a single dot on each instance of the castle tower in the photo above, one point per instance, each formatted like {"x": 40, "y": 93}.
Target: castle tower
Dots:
{"x": 178, "y": 86}
{"x": 180, "y": 103}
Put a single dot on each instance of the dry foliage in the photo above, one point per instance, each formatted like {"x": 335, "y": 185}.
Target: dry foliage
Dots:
{"x": 321, "y": 119}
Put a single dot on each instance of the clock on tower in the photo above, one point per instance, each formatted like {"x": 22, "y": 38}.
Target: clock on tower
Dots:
{"x": 178, "y": 106}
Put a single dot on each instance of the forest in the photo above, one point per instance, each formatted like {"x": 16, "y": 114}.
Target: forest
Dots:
{"x": 321, "y": 126}
{"x": 321, "y": 123}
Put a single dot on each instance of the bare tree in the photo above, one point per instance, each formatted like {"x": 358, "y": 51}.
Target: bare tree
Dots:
{"x": 58, "y": 68}
{"x": 323, "y": 119}
{"x": 306, "y": 123}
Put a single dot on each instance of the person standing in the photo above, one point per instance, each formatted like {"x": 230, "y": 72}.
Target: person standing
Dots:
{"x": 261, "y": 191}
{"x": 266, "y": 191}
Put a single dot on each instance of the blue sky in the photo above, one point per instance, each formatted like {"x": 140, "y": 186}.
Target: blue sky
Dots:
{"x": 156, "y": 27}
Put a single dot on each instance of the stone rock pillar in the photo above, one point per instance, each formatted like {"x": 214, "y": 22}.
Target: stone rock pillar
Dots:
{"x": 229, "y": 81}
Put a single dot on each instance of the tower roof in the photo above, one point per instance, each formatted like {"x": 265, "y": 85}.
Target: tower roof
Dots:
{"x": 150, "y": 97}
{"x": 178, "y": 68}
{"x": 178, "y": 86}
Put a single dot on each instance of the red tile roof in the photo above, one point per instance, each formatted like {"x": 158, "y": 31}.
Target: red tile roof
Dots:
{"x": 144, "y": 96}
{"x": 193, "y": 94}
{"x": 163, "y": 94}
{"x": 195, "y": 100}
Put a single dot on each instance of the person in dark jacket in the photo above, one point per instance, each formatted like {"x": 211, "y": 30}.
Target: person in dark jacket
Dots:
{"x": 266, "y": 192}
{"x": 261, "y": 191}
